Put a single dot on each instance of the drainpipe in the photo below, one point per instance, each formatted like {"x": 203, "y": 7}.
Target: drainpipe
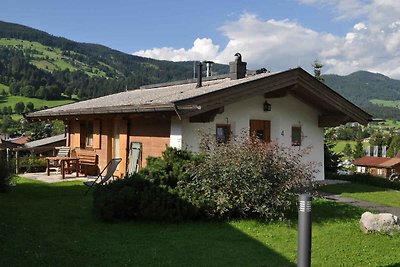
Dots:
{"x": 199, "y": 75}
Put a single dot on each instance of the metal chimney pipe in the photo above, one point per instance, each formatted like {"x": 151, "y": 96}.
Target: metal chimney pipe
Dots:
{"x": 199, "y": 74}
{"x": 209, "y": 68}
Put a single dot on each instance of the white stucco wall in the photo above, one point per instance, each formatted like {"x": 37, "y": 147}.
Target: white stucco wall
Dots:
{"x": 175, "y": 139}
{"x": 286, "y": 112}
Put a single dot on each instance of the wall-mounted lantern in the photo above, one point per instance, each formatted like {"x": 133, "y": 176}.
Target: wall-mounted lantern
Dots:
{"x": 267, "y": 106}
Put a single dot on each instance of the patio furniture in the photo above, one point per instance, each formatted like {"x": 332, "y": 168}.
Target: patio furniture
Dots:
{"x": 109, "y": 174}
{"x": 55, "y": 164}
{"x": 135, "y": 152}
{"x": 64, "y": 162}
{"x": 87, "y": 159}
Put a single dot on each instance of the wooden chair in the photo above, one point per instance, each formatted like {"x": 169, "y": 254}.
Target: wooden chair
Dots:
{"x": 55, "y": 164}
{"x": 109, "y": 174}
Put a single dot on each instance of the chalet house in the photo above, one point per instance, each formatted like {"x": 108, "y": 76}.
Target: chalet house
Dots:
{"x": 289, "y": 107}
{"x": 378, "y": 166}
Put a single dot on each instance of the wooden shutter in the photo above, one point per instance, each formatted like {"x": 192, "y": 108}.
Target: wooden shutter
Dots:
{"x": 261, "y": 129}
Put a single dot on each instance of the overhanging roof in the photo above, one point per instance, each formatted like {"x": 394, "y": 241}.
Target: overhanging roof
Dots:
{"x": 188, "y": 101}
{"x": 378, "y": 162}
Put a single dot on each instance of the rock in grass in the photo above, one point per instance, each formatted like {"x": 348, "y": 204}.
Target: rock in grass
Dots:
{"x": 385, "y": 223}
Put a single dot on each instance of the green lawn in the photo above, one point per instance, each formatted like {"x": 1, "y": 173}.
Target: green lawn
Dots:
{"x": 368, "y": 193}
{"x": 53, "y": 225}
{"x": 386, "y": 103}
{"x": 4, "y": 87}
{"x": 340, "y": 144}
{"x": 12, "y": 100}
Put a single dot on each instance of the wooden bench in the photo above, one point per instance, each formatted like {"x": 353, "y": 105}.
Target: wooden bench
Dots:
{"x": 88, "y": 160}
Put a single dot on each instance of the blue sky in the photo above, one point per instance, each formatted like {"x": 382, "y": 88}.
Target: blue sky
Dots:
{"x": 345, "y": 35}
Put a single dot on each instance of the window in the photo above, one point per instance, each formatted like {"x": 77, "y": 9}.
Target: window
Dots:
{"x": 223, "y": 133}
{"x": 117, "y": 147}
{"x": 89, "y": 134}
{"x": 296, "y": 136}
{"x": 86, "y": 134}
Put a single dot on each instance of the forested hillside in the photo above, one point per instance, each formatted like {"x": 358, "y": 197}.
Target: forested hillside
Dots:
{"x": 365, "y": 88}
{"x": 34, "y": 63}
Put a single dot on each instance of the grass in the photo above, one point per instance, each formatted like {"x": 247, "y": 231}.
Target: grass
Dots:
{"x": 53, "y": 225}
{"x": 4, "y": 87}
{"x": 6, "y": 101}
{"x": 368, "y": 193}
{"x": 386, "y": 103}
{"x": 340, "y": 144}
{"x": 50, "y": 59}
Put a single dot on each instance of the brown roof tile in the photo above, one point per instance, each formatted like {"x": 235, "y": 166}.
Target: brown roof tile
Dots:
{"x": 376, "y": 162}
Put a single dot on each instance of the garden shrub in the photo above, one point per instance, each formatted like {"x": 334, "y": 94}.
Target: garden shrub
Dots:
{"x": 242, "y": 179}
{"x": 6, "y": 175}
{"x": 247, "y": 178}
{"x": 171, "y": 167}
{"x": 32, "y": 163}
{"x": 136, "y": 198}
{"x": 367, "y": 179}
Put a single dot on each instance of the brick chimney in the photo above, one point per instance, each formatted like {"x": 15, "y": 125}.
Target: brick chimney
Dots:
{"x": 237, "y": 68}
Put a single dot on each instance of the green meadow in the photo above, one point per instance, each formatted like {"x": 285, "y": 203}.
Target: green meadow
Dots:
{"x": 54, "y": 225}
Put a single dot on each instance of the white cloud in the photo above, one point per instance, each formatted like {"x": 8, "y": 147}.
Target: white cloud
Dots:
{"x": 274, "y": 44}
{"x": 372, "y": 44}
{"x": 202, "y": 49}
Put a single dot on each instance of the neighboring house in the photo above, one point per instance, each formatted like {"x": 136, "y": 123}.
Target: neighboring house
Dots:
{"x": 20, "y": 140}
{"x": 46, "y": 146}
{"x": 377, "y": 166}
{"x": 7, "y": 144}
{"x": 41, "y": 148}
{"x": 290, "y": 107}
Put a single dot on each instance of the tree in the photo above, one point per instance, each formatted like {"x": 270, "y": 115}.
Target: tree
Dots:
{"x": 331, "y": 158}
{"x": 39, "y": 130}
{"x": 347, "y": 150}
{"x": 19, "y": 107}
{"x": 30, "y": 106}
{"x": 394, "y": 146}
{"x": 358, "y": 151}
{"x": 317, "y": 70}
{"x": 28, "y": 91}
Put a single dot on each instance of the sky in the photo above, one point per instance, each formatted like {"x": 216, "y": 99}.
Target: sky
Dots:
{"x": 344, "y": 35}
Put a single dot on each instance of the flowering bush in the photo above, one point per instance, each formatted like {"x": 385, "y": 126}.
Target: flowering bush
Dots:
{"x": 247, "y": 178}
{"x": 243, "y": 178}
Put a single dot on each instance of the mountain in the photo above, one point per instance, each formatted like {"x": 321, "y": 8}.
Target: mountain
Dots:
{"x": 36, "y": 64}
{"x": 375, "y": 93}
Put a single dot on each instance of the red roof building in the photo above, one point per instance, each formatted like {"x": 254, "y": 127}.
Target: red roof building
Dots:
{"x": 377, "y": 166}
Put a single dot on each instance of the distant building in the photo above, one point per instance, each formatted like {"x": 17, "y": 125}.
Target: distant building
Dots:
{"x": 377, "y": 166}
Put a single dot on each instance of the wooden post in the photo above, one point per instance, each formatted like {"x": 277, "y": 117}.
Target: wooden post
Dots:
{"x": 16, "y": 162}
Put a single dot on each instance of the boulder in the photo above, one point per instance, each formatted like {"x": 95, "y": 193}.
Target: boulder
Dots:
{"x": 385, "y": 223}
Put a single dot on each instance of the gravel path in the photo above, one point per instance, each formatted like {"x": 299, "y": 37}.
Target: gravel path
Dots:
{"x": 360, "y": 203}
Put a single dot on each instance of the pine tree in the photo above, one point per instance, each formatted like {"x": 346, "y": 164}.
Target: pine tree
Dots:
{"x": 347, "y": 150}
{"x": 358, "y": 151}
{"x": 317, "y": 70}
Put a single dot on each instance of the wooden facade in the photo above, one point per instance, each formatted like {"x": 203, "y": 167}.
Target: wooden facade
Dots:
{"x": 109, "y": 137}
{"x": 378, "y": 166}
